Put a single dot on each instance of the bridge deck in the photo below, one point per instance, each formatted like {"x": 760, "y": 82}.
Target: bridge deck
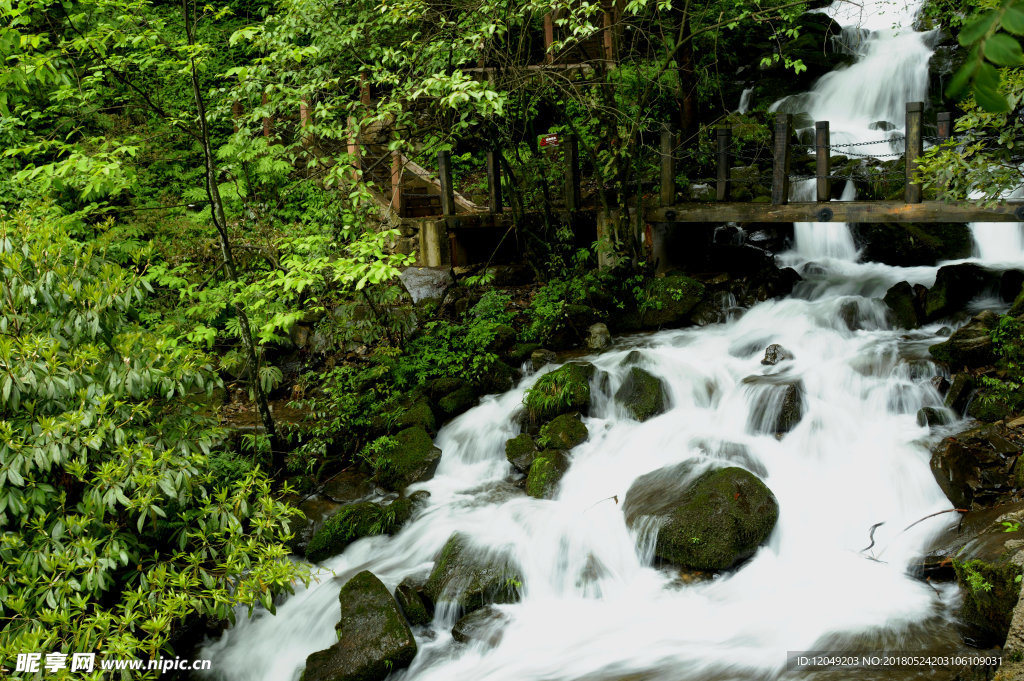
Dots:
{"x": 839, "y": 211}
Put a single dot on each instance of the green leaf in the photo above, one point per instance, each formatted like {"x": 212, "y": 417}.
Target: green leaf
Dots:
{"x": 990, "y": 100}
{"x": 1003, "y": 50}
{"x": 976, "y": 30}
{"x": 1013, "y": 19}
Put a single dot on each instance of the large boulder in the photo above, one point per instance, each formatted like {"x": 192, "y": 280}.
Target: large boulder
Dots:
{"x": 711, "y": 522}
{"x": 779, "y": 403}
{"x": 520, "y": 451}
{"x": 664, "y": 301}
{"x": 975, "y": 468}
{"x": 563, "y": 432}
{"x": 469, "y": 578}
{"x": 427, "y": 283}
{"x": 411, "y": 602}
{"x": 642, "y": 394}
{"x": 355, "y": 521}
{"x": 904, "y": 309}
{"x": 480, "y": 625}
{"x": 954, "y": 286}
{"x": 598, "y": 337}
{"x": 971, "y": 345}
{"x": 375, "y": 638}
{"x": 564, "y": 390}
{"x": 413, "y": 459}
{"x": 906, "y": 245}
{"x": 545, "y": 473}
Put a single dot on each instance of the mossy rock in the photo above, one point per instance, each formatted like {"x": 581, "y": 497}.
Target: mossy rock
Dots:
{"x": 419, "y": 414}
{"x": 355, "y": 521}
{"x": 521, "y": 451}
{"x": 564, "y": 390}
{"x": 666, "y": 302}
{"x": 722, "y": 517}
{"x": 545, "y": 473}
{"x": 907, "y": 245}
{"x": 411, "y": 602}
{"x": 470, "y": 578}
{"x": 990, "y": 592}
{"x": 521, "y": 352}
{"x": 500, "y": 378}
{"x": 642, "y": 394}
{"x": 375, "y": 638}
{"x": 458, "y": 401}
{"x": 954, "y": 286}
{"x": 563, "y": 432}
{"x": 504, "y": 339}
{"x": 903, "y": 309}
{"x": 413, "y": 459}
{"x": 446, "y": 385}
{"x": 971, "y": 345}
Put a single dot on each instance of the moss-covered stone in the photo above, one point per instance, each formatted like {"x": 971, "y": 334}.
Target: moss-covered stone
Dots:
{"x": 563, "y": 432}
{"x": 469, "y": 578}
{"x": 545, "y": 473}
{"x": 413, "y": 459}
{"x": 906, "y": 245}
{"x": 564, "y": 390}
{"x": 500, "y": 378}
{"x": 419, "y": 414}
{"x": 723, "y": 516}
{"x": 408, "y": 596}
{"x": 665, "y": 301}
{"x": 521, "y": 451}
{"x": 521, "y": 352}
{"x": 954, "y": 286}
{"x": 642, "y": 394}
{"x": 971, "y": 345}
{"x": 375, "y": 638}
{"x": 445, "y": 385}
{"x": 990, "y": 592}
{"x": 458, "y": 401}
{"x": 902, "y": 306}
{"x": 504, "y": 339}
{"x": 355, "y": 521}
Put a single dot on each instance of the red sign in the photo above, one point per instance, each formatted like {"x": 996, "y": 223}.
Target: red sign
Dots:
{"x": 549, "y": 140}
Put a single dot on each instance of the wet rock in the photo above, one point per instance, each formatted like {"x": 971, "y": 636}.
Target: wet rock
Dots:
{"x": 958, "y": 396}
{"x": 598, "y": 337}
{"x": 520, "y": 452}
{"x": 906, "y": 245}
{"x": 499, "y": 379}
{"x": 545, "y": 473}
{"x": 903, "y": 307}
{"x": 503, "y": 340}
{"x": 411, "y": 602}
{"x": 974, "y": 467}
{"x": 642, "y": 394}
{"x": 563, "y": 432}
{"x": 542, "y": 357}
{"x": 849, "y": 313}
{"x": 774, "y": 354}
{"x": 1011, "y": 282}
{"x": 413, "y": 459}
{"x": 375, "y": 638}
{"x": 667, "y": 302}
{"x": 713, "y": 310}
{"x": 470, "y": 577}
{"x": 316, "y": 511}
{"x": 941, "y": 384}
{"x": 882, "y": 125}
{"x": 971, "y": 345}
{"x": 446, "y": 385}
{"x": 564, "y": 390}
{"x": 419, "y": 414}
{"x": 954, "y": 286}
{"x": 520, "y": 352}
{"x": 932, "y": 416}
{"x": 713, "y": 521}
{"x": 457, "y": 401}
{"x": 481, "y": 625}
{"x": 347, "y": 486}
{"x": 427, "y": 283}
{"x": 355, "y": 521}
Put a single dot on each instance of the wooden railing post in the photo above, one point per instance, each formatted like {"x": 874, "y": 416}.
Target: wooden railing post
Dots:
{"x": 444, "y": 174}
{"x": 945, "y": 125}
{"x": 549, "y": 37}
{"x": 915, "y": 147}
{"x": 723, "y": 189}
{"x": 305, "y": 119}
{"x": 397, "y": 200}
{"x": 236, "y": 113}
{"x": 823, "y": 160}
{"x": 572, "y": 173}
{"x": 668, "y": 168}
{"x": 494, "y": 180}
{"x": 780, "y": 164}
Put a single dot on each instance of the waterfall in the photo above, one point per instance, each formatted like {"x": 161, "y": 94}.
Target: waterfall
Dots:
{"x": 816, "y": 240}
{"x": 745, "y": 98}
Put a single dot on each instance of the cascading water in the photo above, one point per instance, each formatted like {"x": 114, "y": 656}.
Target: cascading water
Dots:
{"x": 593, "y": 606}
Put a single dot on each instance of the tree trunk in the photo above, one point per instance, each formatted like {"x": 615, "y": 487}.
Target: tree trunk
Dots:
{"x": 220, "y": 222}
{"x": 688, "y": 109}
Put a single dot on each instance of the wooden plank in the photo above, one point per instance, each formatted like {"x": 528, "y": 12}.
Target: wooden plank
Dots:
{"x": 945, "y": 125}
{"x": 915, "y": 147}
{"x": 823, "y": 161}
{"x": 780, "y": 162}
{"x": 397, "y": 200}
{"x": 839, "y": 211}
{"x": 667, "y": 192}
{"x": 723, "y": 187}
{"x": 444, "y": 174}
{"x": 572, "y": 173}
{"x": 494, "y": 180}
{"x": 549, "y": 37}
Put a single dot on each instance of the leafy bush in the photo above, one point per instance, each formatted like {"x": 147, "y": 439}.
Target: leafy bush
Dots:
{"x": 115, "y": 528}
{"x": 1007, "y": 389}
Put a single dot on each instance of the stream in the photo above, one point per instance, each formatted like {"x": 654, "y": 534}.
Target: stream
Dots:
{"x": 593, "y": 605}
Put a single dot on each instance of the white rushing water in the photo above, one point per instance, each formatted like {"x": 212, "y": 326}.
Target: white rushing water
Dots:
{"x": 593, "y": 604}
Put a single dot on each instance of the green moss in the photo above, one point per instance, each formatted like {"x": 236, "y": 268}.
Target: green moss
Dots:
{"x": 990, "y": 592}
{"x": 563, "y": 390}
{"x": 521, "y": 451}
{"x": 563, "y": 432}
{"x": 723, "y": 517}
{"x": 419, "y": 414}
{"x": 545, "y": 473}
{"x": 663, "y": 301}
{"x": 642, "y": 394}
{"x": 471, "y": 580}
{"x": 355, "y": 521}
{"x": 521, "y": 352}
{"x": 412, "y": 458}
{"x": 457, "y": 401}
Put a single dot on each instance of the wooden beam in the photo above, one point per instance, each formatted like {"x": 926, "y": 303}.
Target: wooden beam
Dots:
{"x": 839, "y": 211}
{"x": 823, "y": 161}
{"x": 724, "y": 185}
{"x": 780, "y": 162}
{"x": 668, "y": 168}
{"x": 397, "y": 200}
{"x": 494, "y": 180}
{"x": 945, "y": 125}
{"x": 549, "y": 37}
{"x": 572, "y": 173}
{"x": 444, "y": 174}
{"x": 915, "y": 147}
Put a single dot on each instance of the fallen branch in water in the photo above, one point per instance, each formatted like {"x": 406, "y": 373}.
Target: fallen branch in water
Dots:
{"x": 932, "y": 515}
